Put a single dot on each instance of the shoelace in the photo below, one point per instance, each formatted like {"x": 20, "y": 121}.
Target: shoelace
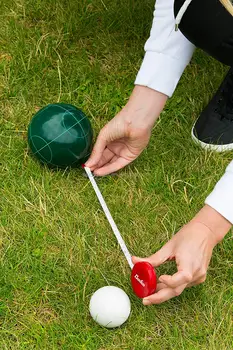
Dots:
{"x": 225, "y": 103}
{"x": 181, "y": 13}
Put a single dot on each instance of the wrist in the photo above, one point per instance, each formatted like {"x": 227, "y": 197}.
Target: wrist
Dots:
{"x": 144, "y": 106}
{"x": 214, "y": 221}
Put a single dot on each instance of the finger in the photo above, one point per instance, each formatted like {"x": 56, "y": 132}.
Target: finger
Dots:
{"x": 158, "y": 258}
{"x": 107, "y": 156}
{"x": 106, "y": 160}
{"x": 196, "y": 282}
{"x": 163, "y": 295}
{"x": 179, "y": 278}
{"x": 110, "y": 168}
{"x": 97, "y": 151}
{"x": 113, "y": 159}
{"x": 160, "y": 286}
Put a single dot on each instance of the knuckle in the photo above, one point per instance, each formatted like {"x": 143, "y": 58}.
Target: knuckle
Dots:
{"x": 104, "y": 130}
{"x": 94, "y": 151}
{"x": 188, "y": 277}
{"x": 202, "y": 272}
{"x": 177, "y": 292}
{"x": 202, "y": 279}
{"x": 102, "y": 134}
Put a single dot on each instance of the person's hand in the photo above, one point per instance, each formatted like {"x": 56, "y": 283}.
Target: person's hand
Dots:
{"x": 124, "y": 138}
{"x": 191, "y": 248}
{"x": 118, "y": 144}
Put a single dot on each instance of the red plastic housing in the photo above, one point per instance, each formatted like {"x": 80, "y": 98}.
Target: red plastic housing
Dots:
{"x": 143, "y": 279}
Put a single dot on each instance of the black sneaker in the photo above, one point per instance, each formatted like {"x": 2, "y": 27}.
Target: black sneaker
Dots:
{"x": 214, "y": 128}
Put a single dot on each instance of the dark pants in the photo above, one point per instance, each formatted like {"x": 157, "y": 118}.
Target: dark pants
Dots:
{"x": 209, "y": 26}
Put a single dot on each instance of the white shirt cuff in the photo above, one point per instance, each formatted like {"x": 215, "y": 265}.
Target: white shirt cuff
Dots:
{"x": 160, "y": 72}
{"x": 221, "y": 199}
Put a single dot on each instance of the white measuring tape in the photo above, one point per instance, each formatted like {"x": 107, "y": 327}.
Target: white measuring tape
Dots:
{"x": 109, "y": 217}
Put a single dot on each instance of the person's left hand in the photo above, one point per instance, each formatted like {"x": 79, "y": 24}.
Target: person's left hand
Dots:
{"x": 191, "y": 248}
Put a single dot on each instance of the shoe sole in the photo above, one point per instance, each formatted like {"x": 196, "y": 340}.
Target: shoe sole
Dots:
{"x": 209, "y": 147}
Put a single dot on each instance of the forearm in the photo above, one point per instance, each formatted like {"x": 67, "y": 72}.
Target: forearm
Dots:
{"x": 167, "y": 54}
{"x": 144, "y": 106}
{"x": 217, "y": 224}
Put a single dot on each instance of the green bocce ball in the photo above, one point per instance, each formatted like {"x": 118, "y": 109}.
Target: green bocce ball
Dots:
{"x": 60, "y": 135}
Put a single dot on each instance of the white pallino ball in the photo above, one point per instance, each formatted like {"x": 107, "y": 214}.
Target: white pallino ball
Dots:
{"x": 110, "y": 306}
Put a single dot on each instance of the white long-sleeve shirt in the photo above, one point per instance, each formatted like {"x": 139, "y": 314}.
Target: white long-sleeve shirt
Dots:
{"x": 167, "y": 54}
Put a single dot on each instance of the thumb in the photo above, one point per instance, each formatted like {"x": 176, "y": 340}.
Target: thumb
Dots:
{"x": 158, "y": 258}
{"x": 97, "y": 151}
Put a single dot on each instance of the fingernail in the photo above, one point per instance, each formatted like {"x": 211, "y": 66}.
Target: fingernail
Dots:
{"x": 146, "y": 302}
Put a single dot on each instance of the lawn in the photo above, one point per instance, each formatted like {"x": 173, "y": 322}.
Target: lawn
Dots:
{"x": 56, "y": 245}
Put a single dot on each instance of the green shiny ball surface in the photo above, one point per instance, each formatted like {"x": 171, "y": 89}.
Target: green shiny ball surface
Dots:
{"x": 60, "y": 135}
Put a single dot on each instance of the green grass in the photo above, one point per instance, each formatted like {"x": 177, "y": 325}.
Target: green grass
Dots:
{"x": 56, "y": 245}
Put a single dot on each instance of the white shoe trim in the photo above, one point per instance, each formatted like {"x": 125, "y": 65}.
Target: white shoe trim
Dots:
{"x": 211, "y": 147}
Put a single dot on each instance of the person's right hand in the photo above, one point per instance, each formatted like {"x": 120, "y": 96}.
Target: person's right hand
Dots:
{"x": 124, "y": 138}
